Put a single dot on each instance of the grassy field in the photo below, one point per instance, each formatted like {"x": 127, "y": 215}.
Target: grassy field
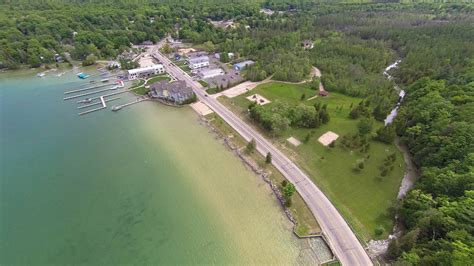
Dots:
{"x": 139, "y": 87}
{"x": 307, "y": 224}
{"x": 362, "y": 197}
{"x": 182, "y": 64}
{"x": 203, "y": 83}
{"x": 157, "y": 78}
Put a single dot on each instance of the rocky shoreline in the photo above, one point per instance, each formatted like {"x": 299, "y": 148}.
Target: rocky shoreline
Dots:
{"x": 252, "y": 165}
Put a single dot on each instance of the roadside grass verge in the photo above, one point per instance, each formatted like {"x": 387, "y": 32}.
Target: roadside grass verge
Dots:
{"x": 306, "y": 222}
{"x": 363, "y": 198}
{"x": 203, "y": 83}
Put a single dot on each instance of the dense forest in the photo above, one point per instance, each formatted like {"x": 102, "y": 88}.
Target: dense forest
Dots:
{"x": 353, "y": 43}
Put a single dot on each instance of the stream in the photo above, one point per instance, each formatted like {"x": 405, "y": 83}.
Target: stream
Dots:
{"x": 401, "y": 94}
{"x": 378, "y": 247}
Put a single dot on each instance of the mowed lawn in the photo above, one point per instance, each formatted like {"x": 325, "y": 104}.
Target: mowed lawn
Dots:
{"x": 362, "y": 197}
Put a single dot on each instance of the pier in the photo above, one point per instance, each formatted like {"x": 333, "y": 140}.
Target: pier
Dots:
{"x": 93, "y": 104}
{"x": 90, "y": 93}
{"x": 102, "y": 101}
{"x": 110, "y": 94}
{"x": 88, "y": 88}
{"x": 118, "y": 107}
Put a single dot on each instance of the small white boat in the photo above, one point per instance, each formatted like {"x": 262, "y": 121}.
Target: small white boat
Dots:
{"x": 88, "y": 100}
{"x": 41, "y": 75}
{"x": 116, "y": 108}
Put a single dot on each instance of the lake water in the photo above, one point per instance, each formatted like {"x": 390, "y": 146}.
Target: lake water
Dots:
{"x": 148, "y": 184}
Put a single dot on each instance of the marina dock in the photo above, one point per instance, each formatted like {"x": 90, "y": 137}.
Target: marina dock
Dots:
{"x": 118, "y": 107}
{"x": 93, "y": 104}
{"x": 88, "y": 88}
{"x": 102, "y": 101}
{"x": 90, "y": 93}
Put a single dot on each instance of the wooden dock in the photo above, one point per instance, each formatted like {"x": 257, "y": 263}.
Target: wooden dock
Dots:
{"x": 88, "y": 88}
{"x": 102, "y": 101}
{"x": 118, "y": 107}
{"x": 89, "y": 93}
{"x": 97, "y": 103}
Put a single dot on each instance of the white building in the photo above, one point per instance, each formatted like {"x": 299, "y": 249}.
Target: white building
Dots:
{"x": 145, "y": 71}
{"x": 198, "y": 62}
{"x": 210, "y": 73}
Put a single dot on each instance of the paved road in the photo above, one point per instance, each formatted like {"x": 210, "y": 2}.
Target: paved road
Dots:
{"x": 341, "y": 239}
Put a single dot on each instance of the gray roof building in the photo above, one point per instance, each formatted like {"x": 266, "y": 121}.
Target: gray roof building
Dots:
{"x": 176, "y": 92}
{"x": 243, "y": 65}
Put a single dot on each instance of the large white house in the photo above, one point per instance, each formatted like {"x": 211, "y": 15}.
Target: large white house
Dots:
{"x": 198, "y": 62}
{"x": 145, "y": 71}
{"x": 210, "y": 73}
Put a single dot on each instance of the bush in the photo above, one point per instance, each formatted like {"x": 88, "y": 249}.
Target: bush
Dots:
{"x": 90, "y": 60}
{"x": 379, "y": 230}
{"x": 251, "y": 146}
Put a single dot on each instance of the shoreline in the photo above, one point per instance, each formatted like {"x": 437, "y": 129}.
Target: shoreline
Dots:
{"x": 252, "y": 165}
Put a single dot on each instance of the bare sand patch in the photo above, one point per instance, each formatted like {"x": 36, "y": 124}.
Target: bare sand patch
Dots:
{"x": 328, "y": 137}
{"x": 259, "y": 99}
{"x": 294, "y": 141}
{"x": 201, "y": 108}
{"x": 186, "y": 51}
{"x": 146, "y": 61}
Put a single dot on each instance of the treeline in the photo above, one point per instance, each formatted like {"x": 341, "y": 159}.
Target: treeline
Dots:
{"x": 436, "y": 123}
{"x": 353, "y": 44}
{"x": 280, "y": 116}
{"x": 31, "y": 33}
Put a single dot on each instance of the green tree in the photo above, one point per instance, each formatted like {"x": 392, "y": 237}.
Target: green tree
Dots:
{"x": 90, "y": 60}
{"x": 386, "y": 134}
{"x": 268, "y": 158}
{"x": 289, "y": 190}
{"x": 251, "y": 146}
{"x": 167, "y": 49}
{"x": 364, "y": 126}
{"x": 224, "y": 57}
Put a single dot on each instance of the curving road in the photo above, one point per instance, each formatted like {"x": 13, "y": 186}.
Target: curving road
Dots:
{"x": 340, "y": 237}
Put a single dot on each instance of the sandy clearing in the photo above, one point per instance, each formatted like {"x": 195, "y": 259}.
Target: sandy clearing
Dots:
{"x": 201, "y": 108}
{"x": 294, "y": 141}
{"x": 328, "y": 137}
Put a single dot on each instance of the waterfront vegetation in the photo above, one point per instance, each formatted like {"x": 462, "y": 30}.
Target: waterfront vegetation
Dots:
{"x": 364, "y": 197}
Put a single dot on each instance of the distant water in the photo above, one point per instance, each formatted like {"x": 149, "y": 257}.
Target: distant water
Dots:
{"x": 146, "y": 185}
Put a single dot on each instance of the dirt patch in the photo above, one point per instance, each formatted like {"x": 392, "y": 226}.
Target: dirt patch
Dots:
{"x": 294, "y": 141}
{"x": 259, "y": 99}
{"x": 201, "y": 108}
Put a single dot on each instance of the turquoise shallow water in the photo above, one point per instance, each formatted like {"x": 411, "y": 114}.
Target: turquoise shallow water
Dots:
{"x": 148, "y": 184}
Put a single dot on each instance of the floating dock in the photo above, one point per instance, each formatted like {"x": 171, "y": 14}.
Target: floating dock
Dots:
{"x": 118, "y": 107}
{"x": 88, "y": 88}
{"x": 90, "y": 93}
{"x": 93, "y": 104}
{"x": 102, "y": 101}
